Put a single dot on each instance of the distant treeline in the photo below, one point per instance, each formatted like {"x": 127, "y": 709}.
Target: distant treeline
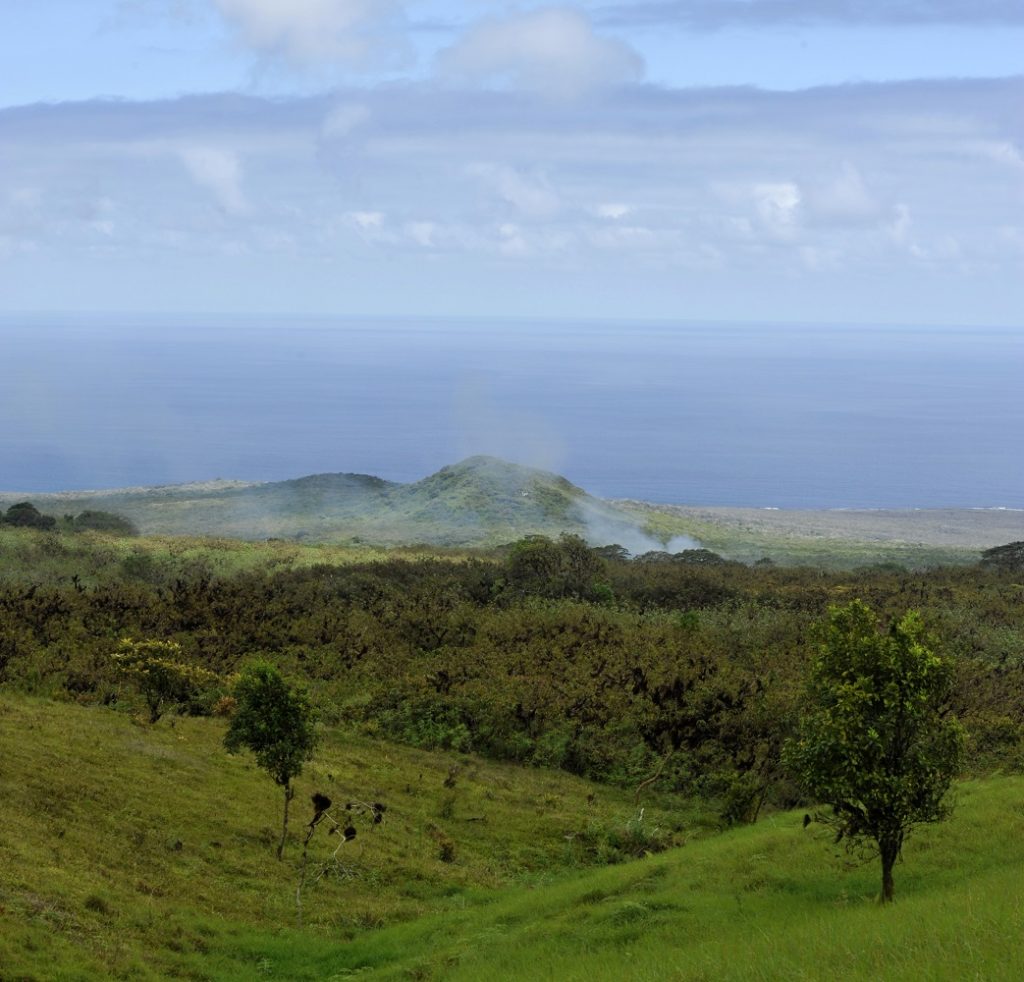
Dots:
{"x": 686, "y": 667}
{"x": 25, "y": 515}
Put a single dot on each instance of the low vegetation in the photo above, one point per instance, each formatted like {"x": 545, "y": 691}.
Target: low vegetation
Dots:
{"x": 492, "y": 723}
{"x": 761, "y": 902}
{"x": 139, "y": 851}
{"x": 549, "y": 653}
{"x": 145, "y": 852}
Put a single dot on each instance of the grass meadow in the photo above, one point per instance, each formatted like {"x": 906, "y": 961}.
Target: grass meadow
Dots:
{"x": 144, "y": 852}
{"x": 137, "y": 851}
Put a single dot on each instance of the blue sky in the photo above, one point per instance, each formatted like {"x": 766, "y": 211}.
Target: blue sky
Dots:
{"x": 838, "y": 160}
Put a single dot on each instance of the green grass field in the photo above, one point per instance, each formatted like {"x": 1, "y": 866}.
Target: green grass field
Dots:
{"x": 143, "y": 852}
{"x": 136, "y": 851}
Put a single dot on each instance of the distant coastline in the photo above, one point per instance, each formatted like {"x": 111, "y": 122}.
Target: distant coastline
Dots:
{"x": 964, "y": 528}
{"x": 969, "y": 528}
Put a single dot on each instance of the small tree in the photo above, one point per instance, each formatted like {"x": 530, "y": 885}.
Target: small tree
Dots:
{"x": 277, "y": 723}
{"x": 156, "y": 670}
{"x": 876, "y": 742}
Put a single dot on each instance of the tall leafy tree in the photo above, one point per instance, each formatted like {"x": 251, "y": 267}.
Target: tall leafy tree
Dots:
{"x": 877, "y": 743}
{"x": 277, "y": 723}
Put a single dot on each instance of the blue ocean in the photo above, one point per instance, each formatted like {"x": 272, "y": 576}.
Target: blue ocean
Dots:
{"x": 764, "y": 415}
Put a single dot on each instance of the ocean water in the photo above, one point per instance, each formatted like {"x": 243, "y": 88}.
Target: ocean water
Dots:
{"x": 764, "y": 415}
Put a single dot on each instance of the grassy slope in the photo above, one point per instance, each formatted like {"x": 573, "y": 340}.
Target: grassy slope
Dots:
{"x": 93, "y": 883}
{"x": 480, "y": 501}
{"x": 147, "y": 852}
{"x": 768, "y": 902}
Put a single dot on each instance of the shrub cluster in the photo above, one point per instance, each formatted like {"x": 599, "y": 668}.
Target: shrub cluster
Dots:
{"x": 24, "y": 514}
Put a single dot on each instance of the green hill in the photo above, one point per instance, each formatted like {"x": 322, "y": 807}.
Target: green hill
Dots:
{"x": 480, "y": 501}
{"x": 766, "y": 902}
{"x": 484, "y": 499}
{"x": 146, "y": 852}
{"x": 486, "y": 502}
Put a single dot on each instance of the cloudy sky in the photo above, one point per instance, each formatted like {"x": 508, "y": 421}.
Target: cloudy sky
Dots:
{"x": 810, "y": 160}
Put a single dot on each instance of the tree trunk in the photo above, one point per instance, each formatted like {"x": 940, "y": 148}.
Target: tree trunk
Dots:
{"x": 889, "y": 850}
{"x": 760, "y": 800}
{"x": 289, "y": 793}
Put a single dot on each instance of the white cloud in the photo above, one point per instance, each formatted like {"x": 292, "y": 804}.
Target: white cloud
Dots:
{"x": 943, "y": 250}
{"x": 504, "y": 197}
{"x": 554, "y": 51}
{"x": 1003, "y": 152}
{"x": 532, "y": 196}
{"x": 511, "y": 241}
{"x": 343, "y": 119}
{"x": 837, "y": 203}
{"x": 899, "y": 228}
{"x": 366, "y": 219}
{"x": 21, "y": 209}
{"x": 632, "y": 237}
{"x": 843, "y": 199}
{"x": 312, "y": 32}
{"x": 818, "y": 259}
{"x": 777, "y": 207}
{"x": 612, "y": 210}
{"x": 219, "y": 171}
{"x": 11, "y": 245}
{"x": 422, "y": 233}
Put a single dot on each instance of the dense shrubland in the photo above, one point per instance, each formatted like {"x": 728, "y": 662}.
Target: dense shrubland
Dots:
{"x": 550, "y": 653}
